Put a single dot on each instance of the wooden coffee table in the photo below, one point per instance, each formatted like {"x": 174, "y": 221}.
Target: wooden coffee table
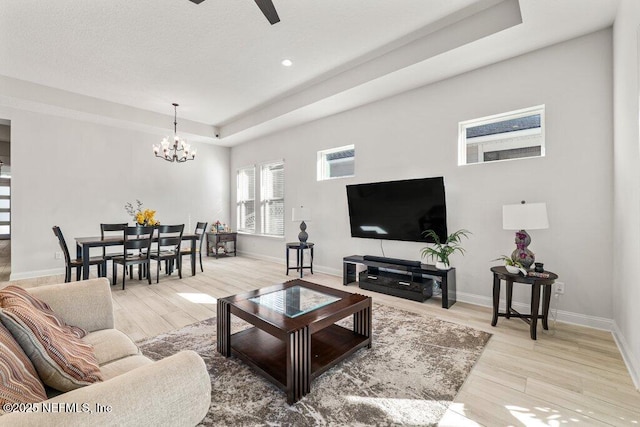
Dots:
{"x": 294, "y": 338}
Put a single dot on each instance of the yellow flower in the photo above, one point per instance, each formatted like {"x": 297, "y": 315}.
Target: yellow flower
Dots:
{"x": 142, "y": 217}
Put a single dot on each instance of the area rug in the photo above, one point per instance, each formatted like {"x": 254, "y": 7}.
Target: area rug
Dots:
{"x": 410, "y": 376}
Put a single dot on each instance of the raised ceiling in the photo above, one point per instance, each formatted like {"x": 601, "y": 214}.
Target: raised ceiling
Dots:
{"x": 221, "y": 59}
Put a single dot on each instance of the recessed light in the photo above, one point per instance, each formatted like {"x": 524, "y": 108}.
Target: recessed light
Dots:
{"x": 287, "y": 62}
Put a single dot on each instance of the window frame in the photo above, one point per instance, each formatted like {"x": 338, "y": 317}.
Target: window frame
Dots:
{"x": 259, "y": 200}
{"x": 322, "y": 168}
{"x": 243, "y": 201}
{"x": 264, "y": 201}
{"x": 496, "y": 118}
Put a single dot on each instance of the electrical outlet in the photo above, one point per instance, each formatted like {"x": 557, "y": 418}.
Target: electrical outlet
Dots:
{"x": 58, "y": 255}
{"x": 559, "y": 288}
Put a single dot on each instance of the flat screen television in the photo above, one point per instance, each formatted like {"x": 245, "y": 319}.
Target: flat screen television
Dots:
{"x": 398, "y": 210}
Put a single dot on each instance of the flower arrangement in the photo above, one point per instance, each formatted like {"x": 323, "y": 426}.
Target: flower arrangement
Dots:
{"x": 219, "y": 227}
{"x": 141, "y": 217}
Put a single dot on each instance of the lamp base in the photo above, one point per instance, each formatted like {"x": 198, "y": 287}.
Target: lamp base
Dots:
{"x": 303, "y": 236}
{"x": 521, "y": 254}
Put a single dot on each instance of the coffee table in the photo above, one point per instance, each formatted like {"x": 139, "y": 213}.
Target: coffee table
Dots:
{"x": 294, "y": 338}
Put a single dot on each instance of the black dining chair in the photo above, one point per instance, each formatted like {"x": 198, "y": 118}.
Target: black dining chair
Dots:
{"x": 201, "y": 229}
{"x": 168, "y": 249}
{"x": 112, "y": 230}
{"x": 77, "y": 262}
{"x": 137, "y": 249}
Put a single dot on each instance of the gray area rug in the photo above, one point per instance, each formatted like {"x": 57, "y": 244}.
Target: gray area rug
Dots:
{"x": 410, "y": 376}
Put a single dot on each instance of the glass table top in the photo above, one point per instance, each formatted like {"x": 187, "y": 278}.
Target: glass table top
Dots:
{"x": 294, "y": 301}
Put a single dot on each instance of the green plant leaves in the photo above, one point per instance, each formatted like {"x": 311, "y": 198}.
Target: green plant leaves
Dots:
{"x": 441, "y": 251}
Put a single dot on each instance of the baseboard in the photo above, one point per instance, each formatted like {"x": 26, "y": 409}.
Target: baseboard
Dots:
{"x": 633, "y": 365}
{"x": 276, "y": 260}
{"x": 282, "y": 261}
{"x": 561, "y": 315}
{"x": 35, "y": 274}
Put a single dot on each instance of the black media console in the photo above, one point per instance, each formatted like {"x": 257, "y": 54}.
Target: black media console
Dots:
{"x": 402, "y": 278}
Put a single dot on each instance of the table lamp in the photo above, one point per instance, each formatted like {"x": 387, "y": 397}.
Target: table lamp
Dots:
{"x": 301, "y": 214}
{"x": 532, "y": 216}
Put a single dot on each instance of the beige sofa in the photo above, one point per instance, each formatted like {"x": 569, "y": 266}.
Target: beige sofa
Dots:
{"x": 175, "y": 391}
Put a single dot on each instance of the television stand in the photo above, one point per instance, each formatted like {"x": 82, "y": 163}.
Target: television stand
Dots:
{"x": 401, "y": 278}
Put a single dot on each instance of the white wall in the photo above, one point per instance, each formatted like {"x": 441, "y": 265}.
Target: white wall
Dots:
{"x": 626, "y": 253}
{"x": 415, "y": 135}
{"x": 77, "y": 174}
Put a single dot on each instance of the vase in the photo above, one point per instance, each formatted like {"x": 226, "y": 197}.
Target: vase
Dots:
{"x": 442, "y": 265}
{"x": 522, "y": 254}
{"x": 512, "y": 269}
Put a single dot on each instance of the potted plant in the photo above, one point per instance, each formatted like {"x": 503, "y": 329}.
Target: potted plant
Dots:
{"x": 510, "y": 264}
{"x": 440, "y": 251}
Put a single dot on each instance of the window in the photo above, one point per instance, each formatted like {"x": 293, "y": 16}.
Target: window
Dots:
{"x": 513, "y": 135}
{"x": 269, "y": 218}
{"x": 272, "y": 198}
{"x": 246, "y": 207}
{"x": 336, "y": 162}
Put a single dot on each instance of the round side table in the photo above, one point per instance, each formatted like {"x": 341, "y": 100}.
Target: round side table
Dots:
{"x": 501, "y": 273}
{"x": 299, "y": 247}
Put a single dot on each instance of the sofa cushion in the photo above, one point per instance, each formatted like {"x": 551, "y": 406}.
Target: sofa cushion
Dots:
{"x": 20, "y": 382}
{"x": 62, "y": 359}
{"x": 124, "y": 365}
{"x": 110, "y": 345}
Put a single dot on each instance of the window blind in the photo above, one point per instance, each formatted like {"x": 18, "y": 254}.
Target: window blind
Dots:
{"x": 272, "y": 198}
{"x": 245, "y": 194}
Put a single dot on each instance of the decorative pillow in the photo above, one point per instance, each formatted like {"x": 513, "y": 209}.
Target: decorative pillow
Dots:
{"x": 20, "y": 382}
{"x": 63, "y": 360}
{"x": 18, "y": 292}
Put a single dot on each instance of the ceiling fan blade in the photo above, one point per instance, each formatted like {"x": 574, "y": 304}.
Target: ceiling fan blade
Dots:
{"x": 196, "y": 1}
{"x": 268, "y": 9}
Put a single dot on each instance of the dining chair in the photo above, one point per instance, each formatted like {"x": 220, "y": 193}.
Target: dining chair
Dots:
{"x": 77, "y": 262}
{"x": 112, "y": 230}
{"x": 201, "y": 229}
{"x": 168, "y": 249}
{"x": 137, "y": 248}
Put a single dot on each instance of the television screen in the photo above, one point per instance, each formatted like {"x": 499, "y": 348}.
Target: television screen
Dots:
{"x": 398, "y": 210}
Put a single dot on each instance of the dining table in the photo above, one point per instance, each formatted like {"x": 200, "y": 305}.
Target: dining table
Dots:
{"x": 84, "y": 245}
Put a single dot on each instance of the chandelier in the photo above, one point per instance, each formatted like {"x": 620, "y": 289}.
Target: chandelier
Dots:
{"x": 178, "y": 150}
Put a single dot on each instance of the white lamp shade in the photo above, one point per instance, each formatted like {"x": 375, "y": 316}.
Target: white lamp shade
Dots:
{"x": 301, "y": 214}
{"x": 525, "y": 216}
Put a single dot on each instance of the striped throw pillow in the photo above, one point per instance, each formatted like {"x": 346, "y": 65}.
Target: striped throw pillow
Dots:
{"x": 61, "y": 358}
{"x": 20, "y": 382}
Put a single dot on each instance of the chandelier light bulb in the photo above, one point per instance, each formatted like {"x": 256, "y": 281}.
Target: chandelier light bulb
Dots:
{"x": 179, "y": 151}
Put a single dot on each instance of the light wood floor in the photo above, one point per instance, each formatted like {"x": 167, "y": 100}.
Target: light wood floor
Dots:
{"x": 5, "y": 260}
{"x": 571, "y": 375}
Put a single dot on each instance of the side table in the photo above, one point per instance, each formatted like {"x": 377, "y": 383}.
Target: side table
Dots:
{"x": 216, "y": 240}
{"x": 299, "y": 247}
{"x": 501, "y": 273}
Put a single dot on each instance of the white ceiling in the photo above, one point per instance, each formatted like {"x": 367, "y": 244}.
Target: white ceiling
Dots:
{"x": 220, "y": 60}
